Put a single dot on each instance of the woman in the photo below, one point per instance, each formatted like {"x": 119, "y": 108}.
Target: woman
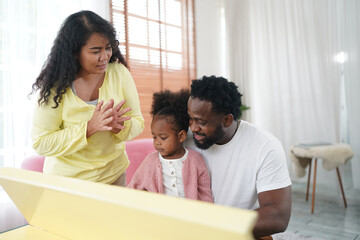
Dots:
{"x": 88, "y": 104}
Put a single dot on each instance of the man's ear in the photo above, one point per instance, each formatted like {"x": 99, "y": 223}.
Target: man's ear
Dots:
{"x": 227, "y": 120}
{"x": 182, "y": 135}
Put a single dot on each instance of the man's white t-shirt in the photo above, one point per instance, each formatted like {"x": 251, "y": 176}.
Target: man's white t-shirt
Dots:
{"x": 253, "y": 161}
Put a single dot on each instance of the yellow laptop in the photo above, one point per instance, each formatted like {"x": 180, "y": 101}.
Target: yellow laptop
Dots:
{"x": 59, "y": 208}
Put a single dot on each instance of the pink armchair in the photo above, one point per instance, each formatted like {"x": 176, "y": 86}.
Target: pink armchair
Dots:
{"x": 137, "y": 150}
{"x": 34, "y": 163}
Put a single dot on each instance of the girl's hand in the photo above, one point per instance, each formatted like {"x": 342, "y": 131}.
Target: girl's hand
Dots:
{"x": 118, "y": 119}
{"x": 102, "y": 117}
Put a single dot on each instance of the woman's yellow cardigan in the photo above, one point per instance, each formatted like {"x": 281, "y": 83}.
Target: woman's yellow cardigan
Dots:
{"x": 60, "y": 133}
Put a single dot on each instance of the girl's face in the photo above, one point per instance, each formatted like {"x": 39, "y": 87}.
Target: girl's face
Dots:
{"x": 95, "y": 55}
{"x": 167, "y": 141}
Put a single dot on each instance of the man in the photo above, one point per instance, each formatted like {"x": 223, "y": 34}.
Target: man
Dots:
{"x": 247, "y": 165}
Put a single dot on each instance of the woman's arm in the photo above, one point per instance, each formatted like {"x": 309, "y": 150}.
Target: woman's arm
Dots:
{"x": 135, "y": 125}
{"x": 51, "y": 138}
{"x": 48, "y": 135}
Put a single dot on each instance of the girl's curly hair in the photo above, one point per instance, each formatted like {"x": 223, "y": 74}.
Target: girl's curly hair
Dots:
{"x": 61, "y": 66}
{"x": 172, "y": 105}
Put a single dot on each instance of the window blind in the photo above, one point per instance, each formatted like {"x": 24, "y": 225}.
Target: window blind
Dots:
{"x": 157, "y": 38}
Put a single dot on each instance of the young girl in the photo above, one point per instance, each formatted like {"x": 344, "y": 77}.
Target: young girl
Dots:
{"x": 172, "y": 169}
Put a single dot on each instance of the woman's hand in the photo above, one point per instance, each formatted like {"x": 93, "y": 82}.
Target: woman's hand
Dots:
{"x": 102, "y": 117}
{"x": 118, "y": 119}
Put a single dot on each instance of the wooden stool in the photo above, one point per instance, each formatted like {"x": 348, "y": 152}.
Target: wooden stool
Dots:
{"x": 333, "y": 155}
{"x": 314, "y": 184}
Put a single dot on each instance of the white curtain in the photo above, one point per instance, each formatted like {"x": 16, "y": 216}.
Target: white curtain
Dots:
{"x": 281, "y": 54}
{"x": 28, "y": 29}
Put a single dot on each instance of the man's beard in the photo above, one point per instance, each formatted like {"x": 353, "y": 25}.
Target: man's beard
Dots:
{"x": 209, "y": 141}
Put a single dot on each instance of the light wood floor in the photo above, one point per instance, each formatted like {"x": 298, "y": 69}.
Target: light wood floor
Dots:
{"x": 330, "y": 220}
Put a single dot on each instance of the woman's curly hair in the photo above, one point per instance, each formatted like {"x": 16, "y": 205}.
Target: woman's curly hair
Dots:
{"x": 61, "y": 66}
{"x": 173, "y": 105}
{"x": 223, "y": 95}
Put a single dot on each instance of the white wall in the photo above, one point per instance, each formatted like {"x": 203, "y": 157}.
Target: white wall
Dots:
{"x": 352, "y": 82}
{"x": 209, "y": 38}
{"x": 353, "y": 108}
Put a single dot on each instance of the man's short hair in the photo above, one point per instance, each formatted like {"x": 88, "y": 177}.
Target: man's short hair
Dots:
{"x": 223, "y": 95}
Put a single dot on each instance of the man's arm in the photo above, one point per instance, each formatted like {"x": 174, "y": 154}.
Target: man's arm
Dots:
{"x": 274, "y": 212}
